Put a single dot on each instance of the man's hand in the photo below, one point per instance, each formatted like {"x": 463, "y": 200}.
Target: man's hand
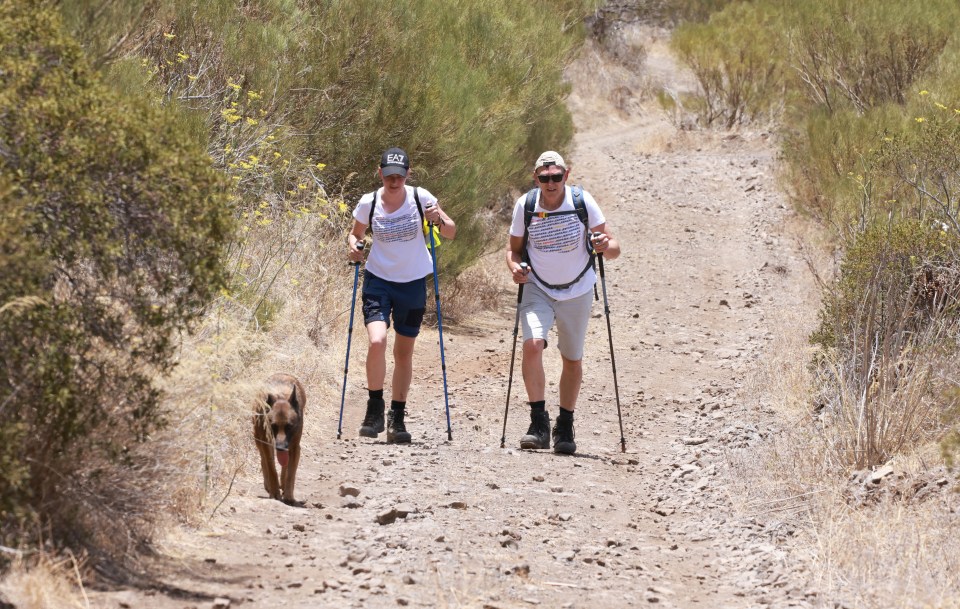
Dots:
{"x": 520, "y": 272}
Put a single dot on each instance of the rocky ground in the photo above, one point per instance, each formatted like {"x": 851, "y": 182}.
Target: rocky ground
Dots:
{"x": 465, "y": 523}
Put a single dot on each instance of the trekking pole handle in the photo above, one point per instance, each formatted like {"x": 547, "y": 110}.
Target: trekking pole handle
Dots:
{"x": 593, "y": 238}
{"x": 360, "y": 246}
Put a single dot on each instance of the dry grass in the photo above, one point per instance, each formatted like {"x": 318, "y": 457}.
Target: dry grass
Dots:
{"x": 612, "y": 74}
{"x": 869, "y": 546}
{"x": 44, "y": 583}
{"x": 309, "y": 285}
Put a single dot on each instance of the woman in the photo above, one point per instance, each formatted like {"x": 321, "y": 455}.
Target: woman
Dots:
{"x": 394, "y": 283}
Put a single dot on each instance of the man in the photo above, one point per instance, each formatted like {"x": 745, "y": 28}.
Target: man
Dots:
{"x": 394, "y": 283}
{"x": 555, "y": 242}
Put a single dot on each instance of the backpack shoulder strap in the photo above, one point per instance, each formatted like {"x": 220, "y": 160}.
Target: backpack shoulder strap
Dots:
{"x": 580, "y": 206}
{"x": 528, "y": 206}
{"x": 373, "y": 205}
{"x": 416, "y": 197}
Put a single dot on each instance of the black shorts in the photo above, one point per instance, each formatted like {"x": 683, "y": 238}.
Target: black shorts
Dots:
{"x": 407, "y": 302}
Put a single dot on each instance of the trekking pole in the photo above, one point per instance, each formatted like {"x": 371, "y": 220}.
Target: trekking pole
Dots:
{"x": 346, "y": 364}
{"x": 606, "y": 310}
{"x": 513, "y": 356}
{"x": 436, "y": 298}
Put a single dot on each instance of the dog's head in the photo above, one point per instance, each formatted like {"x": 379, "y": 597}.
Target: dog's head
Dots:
{"x": 283, "y": 419}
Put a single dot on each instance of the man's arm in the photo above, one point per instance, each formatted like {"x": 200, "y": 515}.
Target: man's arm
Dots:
{"x": 605, "y": 244}
{"x": 514, "y": 258}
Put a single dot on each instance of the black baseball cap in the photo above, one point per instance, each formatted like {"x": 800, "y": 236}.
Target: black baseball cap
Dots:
{"x": 394, "y": 161}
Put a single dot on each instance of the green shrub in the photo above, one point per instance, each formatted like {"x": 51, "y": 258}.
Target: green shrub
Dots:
{"x": 886, "y": 329}
{"x": 737, "y": 60}
{"x": 113, "y": 224}
{"x": 473, "y": 91}
{"x": 831, "y": 163}
{"x": 863, "y": 54}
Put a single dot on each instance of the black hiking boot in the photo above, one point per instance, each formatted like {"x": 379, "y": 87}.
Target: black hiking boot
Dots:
{"x": 373, "y": 421}
{"x": 563, "y": 437}
{"x": 396, "y": 431}
{"x": 538, "y": 436}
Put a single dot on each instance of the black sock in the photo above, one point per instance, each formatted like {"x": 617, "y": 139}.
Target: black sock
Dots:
{"x": 395, "y": 405}
{"x": 565, "y": 415}
{"x": 375, "y": 394}
{"x": 538, "y": 406}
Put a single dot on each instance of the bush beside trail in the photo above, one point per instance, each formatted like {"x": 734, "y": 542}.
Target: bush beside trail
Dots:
{"x": 865, "y": 99}
{"x": 300, "y": 100}
{"x": 192, "y": 167}
{"x": 114, "y": 225}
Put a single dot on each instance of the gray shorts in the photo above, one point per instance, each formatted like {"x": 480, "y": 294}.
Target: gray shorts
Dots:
{"x": 539, "y": 311}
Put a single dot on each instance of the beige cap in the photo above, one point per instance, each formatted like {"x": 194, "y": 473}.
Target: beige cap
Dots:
{"x": 550, "y": 158}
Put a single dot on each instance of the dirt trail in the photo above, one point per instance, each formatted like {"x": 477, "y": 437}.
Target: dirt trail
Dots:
{"x": 704, "y": 263}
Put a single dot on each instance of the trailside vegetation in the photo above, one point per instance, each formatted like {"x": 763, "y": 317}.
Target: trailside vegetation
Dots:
{"x": 865, "y": 96}
{"x": 176, "y": 180}
{"x": 471, "y": 90}
{"x": 112, "y": 228}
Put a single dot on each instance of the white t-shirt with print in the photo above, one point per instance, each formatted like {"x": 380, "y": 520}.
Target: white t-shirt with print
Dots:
{"x": 556, "y": 245}
{"x": 400, "y": 251}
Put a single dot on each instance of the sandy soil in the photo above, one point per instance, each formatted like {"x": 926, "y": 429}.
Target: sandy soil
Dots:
{"x": 466, "y": 523}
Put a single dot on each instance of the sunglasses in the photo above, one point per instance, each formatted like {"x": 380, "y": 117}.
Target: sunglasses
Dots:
{"x": 557, "y": 177}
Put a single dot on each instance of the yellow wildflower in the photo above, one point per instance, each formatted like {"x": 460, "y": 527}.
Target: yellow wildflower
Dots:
{"x": 169, "y": 36}
{"x": 342, "y": 206}
{"x": 320, "y": 166}
{"x": 920, "y": 119}
{"x": 182, "y": 57}
{"x": 251, "y": 121}
{"x": 253, "y": 95}
{"x": 254, "y": 158}
{"x": 924, "y": 92}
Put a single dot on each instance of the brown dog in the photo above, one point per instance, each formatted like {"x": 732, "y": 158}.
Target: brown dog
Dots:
{"x": 277, "y": 426}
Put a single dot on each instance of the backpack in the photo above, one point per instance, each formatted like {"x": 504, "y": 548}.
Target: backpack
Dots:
{"x": 416, "y": 197}
{"x": 579, "y": 208}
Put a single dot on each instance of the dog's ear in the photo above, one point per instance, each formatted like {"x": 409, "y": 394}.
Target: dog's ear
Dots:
{"x": 293, "y": 400}
{"x": 270, "y": 400}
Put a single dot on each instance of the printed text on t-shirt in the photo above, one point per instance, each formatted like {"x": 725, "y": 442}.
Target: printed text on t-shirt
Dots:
{"x": 401, "y": 228}
{"x": 558, "y": 234}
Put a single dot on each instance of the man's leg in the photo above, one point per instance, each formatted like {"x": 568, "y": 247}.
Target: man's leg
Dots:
{"x": 571, "y": 378}
{"x": 572, "y": 319}
{"x": 534, "y": 378}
